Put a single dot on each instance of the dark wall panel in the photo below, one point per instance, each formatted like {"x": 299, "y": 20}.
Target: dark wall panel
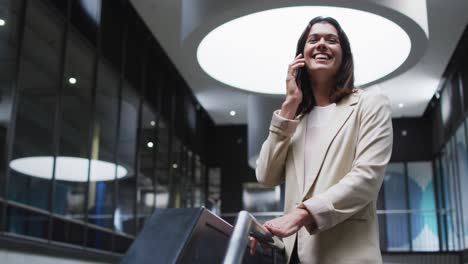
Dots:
{"x": 411, "y": 139}
{"x": 229, "y": 151}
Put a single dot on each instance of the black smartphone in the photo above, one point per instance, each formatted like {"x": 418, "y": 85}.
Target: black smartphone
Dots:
{"x": 299, "y": 74}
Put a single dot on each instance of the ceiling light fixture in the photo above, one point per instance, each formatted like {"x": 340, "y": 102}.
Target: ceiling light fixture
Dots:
{"x": 150, "y": 144}
{"x": 400, "y": 105}
{"x": 72, "y": 80}
{"x": 68, "y": 168}
{"x": 2, "y": 22}
{"x": 252, "y": 52}
{"x": 232, "y": 113}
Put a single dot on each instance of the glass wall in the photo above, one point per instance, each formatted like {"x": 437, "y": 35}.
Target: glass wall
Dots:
{"x": 452, "y": 176}
{"x": 88, "y": 126}
{"x": 423, "y": 217}
{"x": 408, "y": 209}
{"x": 395, "y": 205}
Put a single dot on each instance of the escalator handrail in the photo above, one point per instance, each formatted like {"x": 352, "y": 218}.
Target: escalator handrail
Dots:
{"x": 246, "y": 225}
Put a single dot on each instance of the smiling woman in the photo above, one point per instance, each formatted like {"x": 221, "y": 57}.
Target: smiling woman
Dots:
{"x": 270, "y": 36}
{"x": 329, "y": 143}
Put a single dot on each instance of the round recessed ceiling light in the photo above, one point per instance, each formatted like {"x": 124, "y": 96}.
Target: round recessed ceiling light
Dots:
{"x": 68, "y": 168}
{"x": 72, "y": 80}
{"x": 253, "y": 52}
{"x": 232, "y": 113}
{"x": 2, "y": 22}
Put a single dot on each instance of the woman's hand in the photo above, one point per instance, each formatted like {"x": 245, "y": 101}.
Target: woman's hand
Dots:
{"x": 254, "y": 242}
{"x": 289, "y": 223}
{"x": 293, "y": 91}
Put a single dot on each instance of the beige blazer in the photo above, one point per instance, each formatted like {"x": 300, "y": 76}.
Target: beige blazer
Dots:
{"x": 348, "y": 170}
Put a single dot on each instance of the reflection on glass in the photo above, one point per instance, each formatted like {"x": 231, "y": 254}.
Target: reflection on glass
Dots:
{"x": 25, "y": 222}
{"x": 86, "y": 16}
{"x": 440, "y": 200}
{"x": 258, "y": 198}
{"x": 162, "y": 165}
{"x": 124, "y": 220}
{"x": 199, "y": 183}
{"x": 8, "y": 46}
{"x": 186, "y": 182}
{"x": 175, "y": 172}
{"x": 146, "y": 185}
{"x": 450, "y": 188}
{"x": 462, "y": 153}
{"x": 424, "y": 233}
{"x": 69, "y": 196}
{"x": 213, "y": 202}
{"x": 103, "y": 145}
{"x": 36, "y": 105}
{"x": 395, "y": 199}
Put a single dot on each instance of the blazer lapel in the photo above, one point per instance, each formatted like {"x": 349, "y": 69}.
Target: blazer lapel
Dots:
{"x": 342, "y": 112}
{"x": 298, "y": 141}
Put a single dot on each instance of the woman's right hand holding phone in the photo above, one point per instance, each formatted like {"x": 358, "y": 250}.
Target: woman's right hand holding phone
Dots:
{"x": 293, "y": 91}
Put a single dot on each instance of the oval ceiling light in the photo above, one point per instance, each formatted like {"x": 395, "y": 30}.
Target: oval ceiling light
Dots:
{"x": 68, "y": 168}
{"x": 253, "y": 52}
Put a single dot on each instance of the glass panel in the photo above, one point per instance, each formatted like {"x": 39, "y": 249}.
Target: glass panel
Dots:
{"x": 8, "y": 47}
{"x": 73, "y": 163}
{"x": 100, "y": 200}
{"x": 186, "y": 183}
{"x": 24, "y": 222}
{"x": 258, "y": 198}
{"x": 175, "y": 173}
{"x": 424, "y": 232}
{"x": 61, "y": 5}
{"x": 440, "y": 197}
{"x": 85, "y": 16}
{"x": 199, "y": 183}
{"x": 395, "y": 204}
{"x": 148, "y": 145}
{"x": 111, "y": 31}
{"x": 449, "y": 199}
{"x": 67, "y": 232}
{"x": 463, "y": 167}
{"x": 214, "y": 190}
{"x": 126, "y": 197}
{"x": 38, "y": 83}
{"x": 162, "y": 165}
{"x": 454, "y": 192}
{"x": 462, "y": 181}
{"x": 99, "y": 239}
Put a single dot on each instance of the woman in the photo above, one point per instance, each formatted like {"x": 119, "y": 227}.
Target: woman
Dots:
{"x": 330, "y": 144}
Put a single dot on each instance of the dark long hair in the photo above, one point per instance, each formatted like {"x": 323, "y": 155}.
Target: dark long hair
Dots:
{"x": 344, "y": 77}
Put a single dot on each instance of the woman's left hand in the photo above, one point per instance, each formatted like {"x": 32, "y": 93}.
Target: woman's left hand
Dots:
{"x": 289, "y": 223}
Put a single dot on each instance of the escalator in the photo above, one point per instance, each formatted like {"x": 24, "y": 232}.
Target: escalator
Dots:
{"x": 196, "y": 235}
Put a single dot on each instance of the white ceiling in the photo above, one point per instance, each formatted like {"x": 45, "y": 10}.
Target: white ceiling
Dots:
{"x": 179, "y": 26}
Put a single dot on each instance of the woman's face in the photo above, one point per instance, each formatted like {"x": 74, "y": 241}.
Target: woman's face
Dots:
{"x": 322, "y": 51}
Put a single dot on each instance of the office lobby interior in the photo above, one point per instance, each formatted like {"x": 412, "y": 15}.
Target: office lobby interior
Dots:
{"x": 121, "y": 119}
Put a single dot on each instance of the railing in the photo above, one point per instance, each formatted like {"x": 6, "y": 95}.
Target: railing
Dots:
{"x": 247, "y": 225}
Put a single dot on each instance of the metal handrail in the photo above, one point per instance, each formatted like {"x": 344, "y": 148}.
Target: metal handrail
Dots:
{"x": 247, "y": 225}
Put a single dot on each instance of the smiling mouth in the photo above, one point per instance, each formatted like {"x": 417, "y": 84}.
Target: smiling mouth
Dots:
{"x": 321, "y": 56}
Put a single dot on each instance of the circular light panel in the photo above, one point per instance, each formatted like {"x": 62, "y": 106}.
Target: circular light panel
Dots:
{"x": 67, "y": 168}
{"x": 253, "y": 52}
